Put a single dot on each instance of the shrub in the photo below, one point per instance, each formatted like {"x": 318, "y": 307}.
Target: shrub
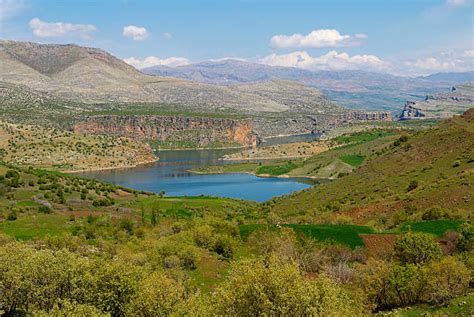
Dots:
{"x": 224, "y": 245}
{"x": 158, "y": 295}
{"x": 434, "y": 213}
{"x": 44, "y": 210}
{"x": 189, "y": 257}
{"x": 12, "y": 216}
{"x": 278, "y": 289}
{"x": 446, "y": 279}
{"x": 416, "y": 247}
{"x": 412, "y": 185}
{"x": 466, "y": 238}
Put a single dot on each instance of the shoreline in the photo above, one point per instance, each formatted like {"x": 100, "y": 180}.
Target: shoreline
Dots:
{"x": 262, "y": 175}
{"x": 266, "y": 158}
{"x": 96, "y": 169}
{"x": 204, "y": 148}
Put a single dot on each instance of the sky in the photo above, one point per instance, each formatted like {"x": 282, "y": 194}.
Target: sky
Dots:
{"x": 404, "y": 37}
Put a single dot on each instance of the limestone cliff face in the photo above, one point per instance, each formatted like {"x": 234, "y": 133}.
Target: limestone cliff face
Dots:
{"x": 200, "y": 132}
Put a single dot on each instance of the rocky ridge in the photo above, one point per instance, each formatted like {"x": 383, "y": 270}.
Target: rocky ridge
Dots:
{"x": 200, "y": 132}
{"x": 442, "y": 105}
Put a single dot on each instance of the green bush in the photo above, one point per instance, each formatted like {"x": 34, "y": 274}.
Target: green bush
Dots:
{"x": 412, "y": 185}
{"x": 416, "y": 247}
{"x": 274, "y": 288}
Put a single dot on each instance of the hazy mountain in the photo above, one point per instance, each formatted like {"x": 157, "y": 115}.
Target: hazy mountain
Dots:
{"x": 353, "y": 88}
{"x": 451, "y": 78}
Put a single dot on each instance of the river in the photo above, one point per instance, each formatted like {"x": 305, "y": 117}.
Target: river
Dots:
{"x": 171, "y": 175}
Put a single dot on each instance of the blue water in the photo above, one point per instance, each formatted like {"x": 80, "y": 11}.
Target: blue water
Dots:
{"x": 171, "y": 175}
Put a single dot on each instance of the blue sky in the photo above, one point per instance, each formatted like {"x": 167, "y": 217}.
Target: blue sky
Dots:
{"x": 403, "y": 37}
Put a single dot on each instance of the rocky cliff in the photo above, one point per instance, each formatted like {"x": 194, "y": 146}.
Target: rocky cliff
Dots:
{"x": 173, "y": 131}
{"x": 442, "y": 105}
{"x": 317, "y": 124}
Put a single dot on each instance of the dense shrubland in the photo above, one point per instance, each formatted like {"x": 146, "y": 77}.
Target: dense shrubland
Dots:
{"x": 145, "y": 270}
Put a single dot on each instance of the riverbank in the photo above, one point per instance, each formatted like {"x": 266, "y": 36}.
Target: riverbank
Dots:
{"x": 109, "y": 168}
{"x": 282, "y": 151}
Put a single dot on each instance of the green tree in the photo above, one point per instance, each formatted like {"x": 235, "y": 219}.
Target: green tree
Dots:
{"x": 416, "y": 247}
{"x": 158, "y": 295}
{"x": 274, "y": 288}
{"x": 153, "y": 217}
{"x": 446, "y": 279}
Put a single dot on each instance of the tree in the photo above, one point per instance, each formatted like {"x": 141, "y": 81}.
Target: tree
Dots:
{"x": 153, "y": 217}
{"x": 465, "y": 241}
{"x": 416, "y": 247}
{"x": 273, "y": 288}
{"x": 446, "y": 279}
{"x": 158, "y": 295}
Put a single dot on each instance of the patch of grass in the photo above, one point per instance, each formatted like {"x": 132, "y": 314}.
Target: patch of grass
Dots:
{"x": 362, "y": 137}
{"x": 352, "y": 159}
{"x": 460, "y": 306}
{"x": 342, "y": 234}
{"x": 435, "y": 227}
{"x": 276, "y": 170}
{"x": 36, "y": 226}
{"x": 27, "y": 203}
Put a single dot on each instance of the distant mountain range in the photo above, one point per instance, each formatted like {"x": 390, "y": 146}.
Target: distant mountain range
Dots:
{"x": 355, "y": 89}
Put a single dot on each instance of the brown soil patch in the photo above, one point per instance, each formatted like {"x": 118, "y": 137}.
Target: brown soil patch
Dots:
{"x": 379, "y": 245}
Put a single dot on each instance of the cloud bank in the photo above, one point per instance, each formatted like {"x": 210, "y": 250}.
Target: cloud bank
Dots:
{"x": 155, "y": 61}
{"x": 57, "y": 29}
{"x": 316, "y": 39}
{"x": 330, "y": 61}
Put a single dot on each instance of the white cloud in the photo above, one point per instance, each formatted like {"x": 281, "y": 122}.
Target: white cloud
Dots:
{"x": 454, "y": 61}
{"x": 155, "y": 61}
{"x": 57, "y": 29}
{"x": 457, "y": 3}
{"x": 330, "y": 61}
{"x": 468, "y": 53}
{"x": 316, "y": 39}
{"x": 135, "y": 32}
{"x": 168, "y": 35}
{"x": 10, "y": 8}
{"x": 228, "y": 58}
{"x": 431, "y": 64}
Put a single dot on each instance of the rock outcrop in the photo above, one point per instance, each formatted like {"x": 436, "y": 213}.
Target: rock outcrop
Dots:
{"x": 442, "y": 105}
{"x": 411, "y": 112}
{"x": 196, "y": 132}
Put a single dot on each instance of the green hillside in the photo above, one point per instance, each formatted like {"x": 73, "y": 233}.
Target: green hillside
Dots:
{"x": 432, "y": 169}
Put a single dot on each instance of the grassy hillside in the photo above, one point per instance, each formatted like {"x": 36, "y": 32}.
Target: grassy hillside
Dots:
{"x": 432, "y": 169}
{"x": 334, "y": 158}
{"x": 42, "y": 147}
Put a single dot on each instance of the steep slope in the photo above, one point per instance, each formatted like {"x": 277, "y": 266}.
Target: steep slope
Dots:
{"x": 433, "y": 168}
{"x": 441, "y": 105}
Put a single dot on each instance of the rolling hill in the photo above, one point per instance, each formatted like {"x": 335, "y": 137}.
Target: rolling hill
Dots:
{"x": 432, "y": 169}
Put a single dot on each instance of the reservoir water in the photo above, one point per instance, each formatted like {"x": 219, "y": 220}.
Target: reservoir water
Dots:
{"x": 171, "y": 175}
